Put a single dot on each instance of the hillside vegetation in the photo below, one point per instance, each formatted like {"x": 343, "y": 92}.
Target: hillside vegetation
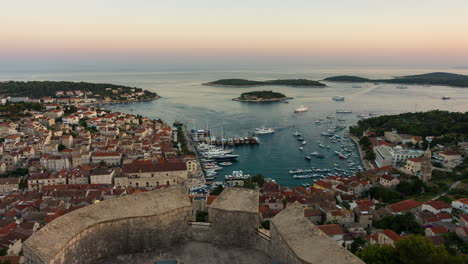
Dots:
{"x": 286, "y": 82}
{"x": 435, "y": 78}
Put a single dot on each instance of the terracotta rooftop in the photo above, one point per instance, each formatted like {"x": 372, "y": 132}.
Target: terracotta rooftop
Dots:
{"x": 438, "y": 205}
{"x": 392, "y": 235}
{"x": 155, "y": 167}
{"x": 449, "y": 153}
{"x": 331, "y": 230}
{"x": 439, "y": 229}
{"x": 404, "y": 205}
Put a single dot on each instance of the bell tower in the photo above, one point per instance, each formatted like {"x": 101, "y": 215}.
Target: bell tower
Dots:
{"x": 426, "y": 166}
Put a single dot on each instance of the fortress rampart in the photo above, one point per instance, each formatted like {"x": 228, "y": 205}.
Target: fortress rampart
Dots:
{"x": 160, "y": 219}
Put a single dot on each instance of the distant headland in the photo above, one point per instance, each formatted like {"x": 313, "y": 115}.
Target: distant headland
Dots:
{"x": 249, "y": 83}
{"x": 261, "y": 96}
{"x": 434, "y": 78}
{"x": 84, "y": 91}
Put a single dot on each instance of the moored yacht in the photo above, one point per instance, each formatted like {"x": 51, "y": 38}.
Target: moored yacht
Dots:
{"x": 264, "y": 130}
{"x": 301, "y": 108}
{"x": 338, "y": 98}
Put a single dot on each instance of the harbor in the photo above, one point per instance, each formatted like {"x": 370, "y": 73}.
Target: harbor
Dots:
{"x": 331, "y": 148}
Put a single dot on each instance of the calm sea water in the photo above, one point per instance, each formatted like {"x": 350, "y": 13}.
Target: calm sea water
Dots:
{"x": 198, "y": 106}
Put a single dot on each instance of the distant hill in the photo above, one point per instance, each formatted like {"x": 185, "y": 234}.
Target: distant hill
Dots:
{"x": 286, "y": 82}
{"x": 39, "y": 89}
{"x": 434, "y": 78}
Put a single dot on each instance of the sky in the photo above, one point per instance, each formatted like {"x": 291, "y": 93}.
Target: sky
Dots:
{"x": 341, "y": 32}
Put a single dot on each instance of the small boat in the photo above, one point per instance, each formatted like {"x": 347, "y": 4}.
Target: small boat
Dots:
{"x": 301, "y": 108}
{"x": 446, "y": 98}
{"x": 372, "y": 113}
{"x": 296, "y": 133}
{"x": 307, "y": 157}
{"x": 330, "y": 117}
{"x": 304, "y": 142}
{"x": 301, "y": 148}
{"x": 342, "y": 111}
{"x": 321, "y": 145}
{"x": 361, "y": 115}
{"x": 315, "y": 153}
{"x": 284, "y": 101}
{"x": 338, "y": 98}
{"x": 317, "y": 122}
{"x": 226, "y": 163}
{"x": 320, "y": 156}
{"x": 402, "y": 87}
{"x": 264, "y": 130}
{"x": 300, "y": 138}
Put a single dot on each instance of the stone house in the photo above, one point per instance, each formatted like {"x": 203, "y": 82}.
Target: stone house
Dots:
{"x": 102, "y": 176}
{"x": 8, "y": 185}
{"x": 388, "y": 181}
{"x": 437, "y": 207}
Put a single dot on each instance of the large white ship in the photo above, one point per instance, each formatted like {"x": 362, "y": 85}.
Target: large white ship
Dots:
{"x": 301, "y": 108}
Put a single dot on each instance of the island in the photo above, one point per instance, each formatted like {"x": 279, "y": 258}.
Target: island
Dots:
{"x": 261, "y": 96}
{"x": 249, "y": 83}
{"x": 73, "y": 91}
{"x": 434, "y": 78}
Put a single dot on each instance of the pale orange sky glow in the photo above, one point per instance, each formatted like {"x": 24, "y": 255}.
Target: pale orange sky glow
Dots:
{"x": 409, "y": 30}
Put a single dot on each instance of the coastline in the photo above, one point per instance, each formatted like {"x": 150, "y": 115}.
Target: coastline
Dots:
{"x": 365, "y": 163}
{"x": 126, "y": 102}
{"x": 259, "y": 85}
{"x": 263, "y": 100}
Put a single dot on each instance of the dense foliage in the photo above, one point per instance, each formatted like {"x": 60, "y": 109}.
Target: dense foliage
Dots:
{"x": 39, "y": 89}
{"x": 261, "y": 95}
{"x": 183, "y": 143}
{"x": 385, "y": 195}
{"x": 288, "y": 82}
{"x": 399, "y": 223}
{"x": 432, "y": 123}
{"x": 410, "y": 250}
{"x": 347, "y": 78}
{"x": 15, "y": 111}
{"x": 435, "y": 78}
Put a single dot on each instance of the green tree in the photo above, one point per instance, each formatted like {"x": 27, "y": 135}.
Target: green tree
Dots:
{"x": 202, "y": 216}
{"x": 218, "y": 190}
{"x": 61, "y": 147}
{"x": 375, "y": 254}
{"x": 266, "y": 224}
{"x": 358, "y": 244}
{"x": 370, "y": 155}
{"x": 102, "y": 163}
{"x": 365, "y": 142}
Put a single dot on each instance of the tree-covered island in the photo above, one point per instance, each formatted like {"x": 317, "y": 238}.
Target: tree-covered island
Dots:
{"x": 434, "y": 78}
{"x": 261, "y": 96}
{"x": 284, "y": 82}
{"x": 84, "y": 91}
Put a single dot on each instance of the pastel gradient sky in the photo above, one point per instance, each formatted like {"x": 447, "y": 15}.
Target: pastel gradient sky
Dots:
{"x": 302, "y": 31}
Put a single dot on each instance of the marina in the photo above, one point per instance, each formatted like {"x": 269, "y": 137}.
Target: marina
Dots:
{"x": 184, "y": 99}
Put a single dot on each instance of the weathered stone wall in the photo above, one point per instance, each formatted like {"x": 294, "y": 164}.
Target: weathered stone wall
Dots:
{"x": 160, "y": 219}
{"x": 130, "y": 224}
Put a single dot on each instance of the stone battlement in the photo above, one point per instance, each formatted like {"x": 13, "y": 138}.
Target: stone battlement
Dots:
{"x": 160, "y": 219}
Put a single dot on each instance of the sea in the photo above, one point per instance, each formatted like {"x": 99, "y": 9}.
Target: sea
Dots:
{"x": 185, "y": 99}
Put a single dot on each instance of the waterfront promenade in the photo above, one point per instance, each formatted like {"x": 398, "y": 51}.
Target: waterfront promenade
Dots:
{"x": 365, "y": 163}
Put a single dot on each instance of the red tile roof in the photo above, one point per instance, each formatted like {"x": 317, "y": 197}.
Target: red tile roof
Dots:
{"x": 392, "y": 235}
{"x": 439, "y": 229}
{"x": 404, "y": 205}
{"x": 449, "y": 153}
{"x": 155, "y": 167}
{"x": 332, "y": 229}
{"x": 438, "y": 205}
{"x": 420, "y": 159}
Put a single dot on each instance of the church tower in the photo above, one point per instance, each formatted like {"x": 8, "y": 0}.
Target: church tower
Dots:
{"x": 426, "y": 166}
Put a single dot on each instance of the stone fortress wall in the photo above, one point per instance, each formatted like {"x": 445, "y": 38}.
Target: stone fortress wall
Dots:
{"x": 160, "y": 219}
